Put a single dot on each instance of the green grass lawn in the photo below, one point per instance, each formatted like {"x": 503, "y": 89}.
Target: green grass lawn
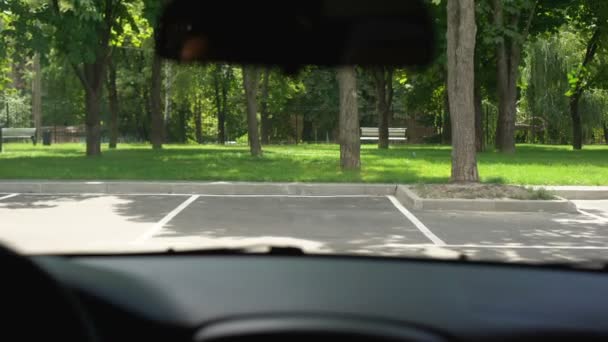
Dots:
{"x": 532, "y": 164}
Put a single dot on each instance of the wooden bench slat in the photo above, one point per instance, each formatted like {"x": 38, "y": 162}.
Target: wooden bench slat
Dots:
{"x": 18, "y": 131}
{"x": 394, "y": 133}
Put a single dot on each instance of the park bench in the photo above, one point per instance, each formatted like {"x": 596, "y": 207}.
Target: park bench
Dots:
{"x": 19, "y": 133}
{"x": 394, "y": 134}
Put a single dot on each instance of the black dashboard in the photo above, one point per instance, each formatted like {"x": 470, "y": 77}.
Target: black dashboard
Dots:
{"x": 234, "y": 297}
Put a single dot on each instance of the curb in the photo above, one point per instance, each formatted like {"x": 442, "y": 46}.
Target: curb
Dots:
{"x": 578, "y": 192}
{"x": 401, "y": 192}
{"x": 407, "y": 196}
{"x": 208, "y": 188}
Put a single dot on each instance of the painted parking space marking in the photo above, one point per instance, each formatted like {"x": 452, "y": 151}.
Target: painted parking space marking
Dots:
{"x": 160, "y": 224}
{"x": 423, "y": 229}
{"x": 8, "y": 196}
{"x": 343, "y": 224}
{"x": 424, "y": 245}
{"x": 597, "y": 217}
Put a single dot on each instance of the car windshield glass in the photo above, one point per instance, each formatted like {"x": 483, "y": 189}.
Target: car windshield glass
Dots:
{"x": 496, "y": 150}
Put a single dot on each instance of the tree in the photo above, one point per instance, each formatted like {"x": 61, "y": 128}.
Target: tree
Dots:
{"x": 266, "y": 123}
{"x": 314, "y": 94}
{"x": 152, "y": 11}
{"x": 545, "y": 81}
{"x": 591, "y": 14}
{"x": 478, "y": 100}
{"x": 461, "y": 69}
{"x": 168, "y": 85}
{"x": 113, "y": 102}
{"x": 350, "y": 145}
{"x": 383, "y": 80}
{"x": 250, "y": 83}
{"x": 83, "y": 31}
{"x": 563, "y": 68}
{"x": 198, "y": 110}
{"x": 514, "y": 27}
{"x": 222, "y": 77}
{"x": 37, "y": 97}
{"x": 156, "y": 124}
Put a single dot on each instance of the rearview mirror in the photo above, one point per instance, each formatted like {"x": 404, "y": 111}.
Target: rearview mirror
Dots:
{"x": 294, "y": 33}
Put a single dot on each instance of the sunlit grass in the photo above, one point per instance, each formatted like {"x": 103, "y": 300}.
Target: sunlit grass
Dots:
{"x": 532, "y": 164}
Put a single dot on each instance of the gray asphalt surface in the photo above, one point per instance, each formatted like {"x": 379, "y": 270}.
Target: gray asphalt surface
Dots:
{"x": 345, "y": 225}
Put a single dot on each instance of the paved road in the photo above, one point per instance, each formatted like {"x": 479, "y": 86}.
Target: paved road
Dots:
{"x": 333, "y": 224}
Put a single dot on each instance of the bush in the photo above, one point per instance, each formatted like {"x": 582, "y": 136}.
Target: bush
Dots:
{"x": 243, "y": 139}
{"x": 540, "y": 194}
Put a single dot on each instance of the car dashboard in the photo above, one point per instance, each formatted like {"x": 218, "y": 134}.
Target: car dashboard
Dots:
{"x": 240, "y": 297}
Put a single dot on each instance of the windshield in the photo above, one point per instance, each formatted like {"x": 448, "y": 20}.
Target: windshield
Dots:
{"x": 495, "y": 151}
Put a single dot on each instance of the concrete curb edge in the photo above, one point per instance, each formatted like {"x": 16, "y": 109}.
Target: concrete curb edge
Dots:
{"x": 407, "y": 196}
{"x": 208, "y": 188}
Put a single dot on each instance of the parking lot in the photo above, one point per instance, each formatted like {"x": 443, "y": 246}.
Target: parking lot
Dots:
{"x": 379, "y": 225}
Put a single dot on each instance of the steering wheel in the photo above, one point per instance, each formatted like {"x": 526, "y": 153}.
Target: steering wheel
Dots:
{"x": 35, "y": 307}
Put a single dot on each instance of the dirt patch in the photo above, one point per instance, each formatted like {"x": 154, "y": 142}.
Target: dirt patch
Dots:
{"x": 475, "y": 191}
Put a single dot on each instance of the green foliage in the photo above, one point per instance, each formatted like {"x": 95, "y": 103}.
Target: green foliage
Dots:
{"x": 540, "y": 194}
{"x": 546, "y": 84}
{"x": 70, "y": 34}
{"x": 62, "y": 96}
{"x": 594, "y": 110}
{"x": 15, "y": 110}
{"x": 243, "y": 139}
{"x": 554, "y": 73}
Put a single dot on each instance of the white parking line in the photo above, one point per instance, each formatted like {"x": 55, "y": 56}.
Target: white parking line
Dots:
{"x": 8, "y": 196}
{"x": 160, "y": 224}
{"x": 597, "y": 217}
{"x": 424, "y": 245}
{"x": 200, "y": 195}
{"x": 421, "y": 227}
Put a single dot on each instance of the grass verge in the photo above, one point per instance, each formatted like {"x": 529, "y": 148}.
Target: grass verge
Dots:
{"x": 531, "y": 164}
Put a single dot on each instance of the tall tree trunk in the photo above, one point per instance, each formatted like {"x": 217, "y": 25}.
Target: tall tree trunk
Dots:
{"x": 18, "y": 75}
{"x": 479, "y": 144}
{"x": 156, "y": 120}
{"x": 147, "y": 118}
{"x": 250, "y": 83}
{"x": 92, "y": 122}
{"x": 446, "y": 132}
{"x": 37, "y": 98}
{"x": 383, "y": 79}
{"x": 461, "y": 71}
{"x": 577, "y": 127}
{"x": 182, "y": 125}
{"x": 167, "y": 113}
{"x": 91, "y": 76}
{"x": 507, "y": 64}
{"x": 350, "y": 145}
{"x": 266, "y": 129}
{"x": 198, "y": 122}
{"x": 113, "y": 102}
{"x": 508, "y": 52}
{"x": 605, "y": 132}
{"x": 307, "y": 129}
{"x": 220, "y": 101}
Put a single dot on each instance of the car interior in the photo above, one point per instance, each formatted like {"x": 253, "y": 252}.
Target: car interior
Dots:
{"x": 283, "y": 293}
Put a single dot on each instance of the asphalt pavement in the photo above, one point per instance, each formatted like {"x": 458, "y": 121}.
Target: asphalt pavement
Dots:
{"x": 347, "y": 224}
